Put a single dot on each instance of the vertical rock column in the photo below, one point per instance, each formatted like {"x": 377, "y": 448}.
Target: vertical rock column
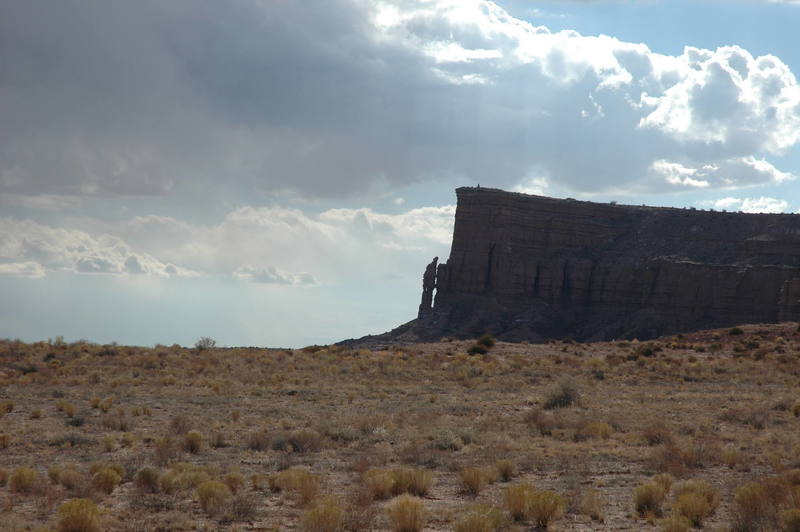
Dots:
{"x": 428, "y": 286}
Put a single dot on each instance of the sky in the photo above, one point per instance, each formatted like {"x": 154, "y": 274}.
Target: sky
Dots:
{"x": 279, "y": 173}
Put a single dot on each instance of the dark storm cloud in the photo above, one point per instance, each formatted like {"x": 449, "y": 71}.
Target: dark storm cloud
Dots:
{"x": 116, "y": 97}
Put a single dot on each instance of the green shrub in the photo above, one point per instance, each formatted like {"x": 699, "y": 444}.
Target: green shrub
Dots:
{"x": 78, "y": 515}
{"x": 407, "y": 514}
{"x": 212, "y": 495}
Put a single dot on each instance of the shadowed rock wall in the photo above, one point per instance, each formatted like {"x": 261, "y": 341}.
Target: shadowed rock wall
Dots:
{"x": 530, "y": 268}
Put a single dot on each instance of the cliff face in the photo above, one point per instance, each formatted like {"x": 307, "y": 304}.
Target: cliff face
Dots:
{"x": 530, "y": 268}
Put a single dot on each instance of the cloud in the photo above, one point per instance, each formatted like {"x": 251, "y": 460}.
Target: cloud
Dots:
{"x": 51, "y": 202}
{"x": 30, "y": 248}
{"x": 752, "y": 205}
{"x": 730, "y": 173}
{"x": 271, "y": 245}
{"x": 29, "y": 269}
{"x": 335, "y": 97}
{"x": 272, "y": 275}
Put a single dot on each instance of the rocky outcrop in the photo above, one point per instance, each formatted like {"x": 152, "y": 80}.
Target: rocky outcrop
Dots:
{"x": 527, "y": 267}
{"x": 428, "y": 286}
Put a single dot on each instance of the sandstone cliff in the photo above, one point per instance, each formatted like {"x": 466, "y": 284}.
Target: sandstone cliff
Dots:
{"x": 527, "y": 267}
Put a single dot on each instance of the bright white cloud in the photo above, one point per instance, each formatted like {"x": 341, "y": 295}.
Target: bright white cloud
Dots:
{"x": 752, "y": 205}
{"x": 30, "y": 248}
{"x": 730, "y": 173}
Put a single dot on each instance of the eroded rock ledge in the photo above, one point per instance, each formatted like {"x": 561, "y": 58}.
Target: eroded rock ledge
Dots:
{"x": 525, "y": 267}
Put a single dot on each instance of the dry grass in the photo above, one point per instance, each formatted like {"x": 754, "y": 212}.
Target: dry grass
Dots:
{"x": 213, "y": 496}
{"x": 78, "y": 515}
{"x": 407, "y": 514}
{"x": 284, "y": 430}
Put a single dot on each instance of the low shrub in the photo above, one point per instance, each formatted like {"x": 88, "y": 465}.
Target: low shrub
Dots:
{"x": 380, "y": 483}
{"x": 413, "y": 481}
{"x": 5, "y": 441}
{"x": 592, "y": 504}
{"x": 70, "y": 477}
{"x": 326, "y": 515}
{"x": 106, "y": 479}
{"x": 695, "y": 500}
{"x": 486, "y": 341}
{"x": 517, "y": 499}
{"x": 213, "y": 496}
{"x": 594, "y": 430}
{"x": 473, "y": 480}
{"x": 23, "y": 480}
{"x": 258, "y": 441}
{"x": 545, "y": 507}
{"x": 147, "y": 480}
{"x": 790, "y": 520}
{"x": 506, "y": 469}
{"x": 481, "y": 518}
{"x": 543, "y": 421}
{"x": 751, "y": 507}
{"x": 78, "y": 515}
{"x": 664, "y": 480}
{"x": 648, "y": 499}
{"x": 299, "y": 480}
{"x": 192, "y": 442}
{"x": 477, "y": 349}
{"x": 657, "y": 434}
{"x": 242, "y": 507}
{"x": 407, "y": 514}
{"x": 563, "y": 394}
{"x": 676, "y": 523}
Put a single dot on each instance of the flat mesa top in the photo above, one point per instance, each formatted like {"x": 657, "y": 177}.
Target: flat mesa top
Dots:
{"x": 505, "y": 195}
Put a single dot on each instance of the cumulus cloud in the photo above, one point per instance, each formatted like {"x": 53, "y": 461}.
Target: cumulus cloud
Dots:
{"x": 752, "y": 205}
{"x": 270, "y": 245}
{"x": 28, "y": 248}
{"x": 333, "y": 96}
